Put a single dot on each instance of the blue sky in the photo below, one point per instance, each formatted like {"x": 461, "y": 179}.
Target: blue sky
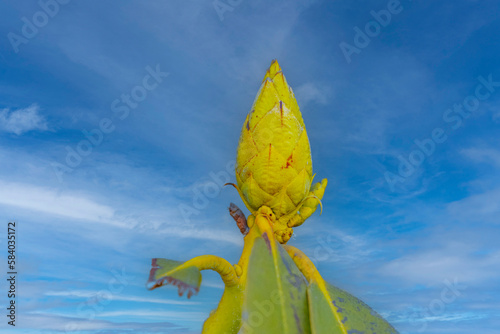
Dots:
{"x": 403, "y": 120}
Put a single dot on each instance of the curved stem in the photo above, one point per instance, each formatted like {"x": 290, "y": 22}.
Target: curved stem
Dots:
{"x": 218, "y": 264}
{"x": 312, "y": 275}
{"x": 304, "y": 264}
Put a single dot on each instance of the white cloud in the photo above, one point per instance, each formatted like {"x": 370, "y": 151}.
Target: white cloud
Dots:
{"x": 335, "y": 245}
{"x": 496, "y": 117}
{"x": 311, "y": 92}
{"x": 58, "y": 322}
{"x": 22, "y": 120}
{"x": 226, "y": 235}
{"x": 49, "y": 201}
{"x": 97, "y": 294}
{"x": 479, "y": 208}
{"x": 79, "y": 207}
{"x": 170, "y": 315}
{"x": 454, "y": 317}
{"x": 143, "y": 313}
{"x": 432, "y": 267}
{"x": 485, "y": 155}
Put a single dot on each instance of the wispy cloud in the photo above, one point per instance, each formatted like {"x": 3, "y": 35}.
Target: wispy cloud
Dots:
{"x": 483, "y": 155}
{"x": 172, "y": 315}
{"x": 54, "y": 322}
{"x": 93, "y": 294}
{"x": 22, "y": 120}
{"x": 46, "y": 200}
{"x": 477, "y": 208}
{"x": 131, "y": 312}
{"x": 86, "y": 209}
{"x": 312, "y": 92}
{"x": 431, "y": 267}
{"x": 334, "y": 245}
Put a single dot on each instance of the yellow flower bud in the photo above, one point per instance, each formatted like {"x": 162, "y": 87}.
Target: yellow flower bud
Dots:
{"x": 273, "y": 163}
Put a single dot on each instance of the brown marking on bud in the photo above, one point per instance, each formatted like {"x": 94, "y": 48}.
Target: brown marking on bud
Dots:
{"x": 289, "y": 161}
{"x": 249, "y": 117}
{"x": 281, "y": 112}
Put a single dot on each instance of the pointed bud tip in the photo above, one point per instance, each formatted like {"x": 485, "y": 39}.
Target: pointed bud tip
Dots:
{"x": 274, "y": 68}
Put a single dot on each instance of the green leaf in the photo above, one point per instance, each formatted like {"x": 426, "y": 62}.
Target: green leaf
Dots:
{"x": 163, "y": 272}
{"x": 350, "y": 315}
{"x": 323, "y": 319}
{"x": 276, "y": 292}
